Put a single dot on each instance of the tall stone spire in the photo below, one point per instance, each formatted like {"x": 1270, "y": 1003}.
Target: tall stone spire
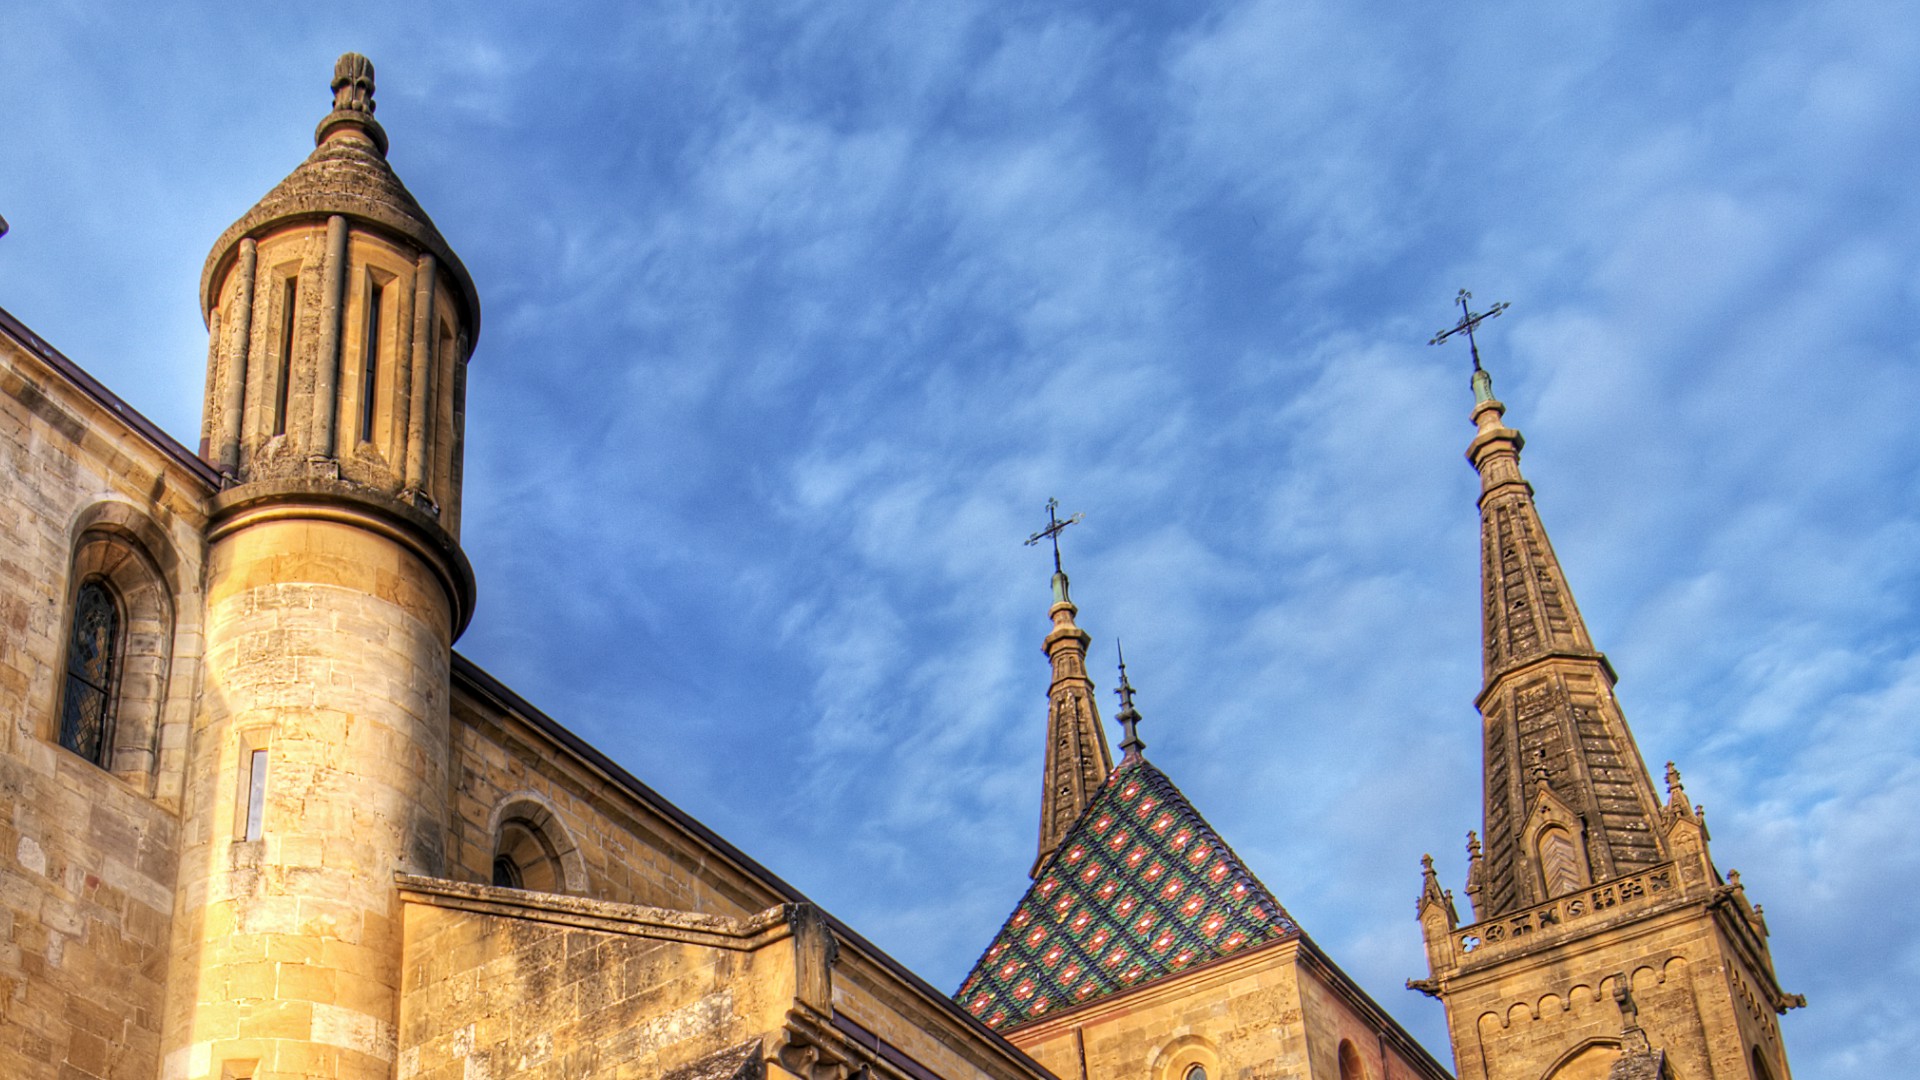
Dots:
{"x": 1568, "y": 799}
{"x": 1078, "y": 759}
{"x": 1587, "y": 885}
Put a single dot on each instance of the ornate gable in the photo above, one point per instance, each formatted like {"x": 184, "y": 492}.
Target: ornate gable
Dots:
{"x": 1141, "y": 887}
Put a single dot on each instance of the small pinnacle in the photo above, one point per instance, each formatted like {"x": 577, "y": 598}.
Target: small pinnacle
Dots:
{"x": 1426, "y": 863}
{"x": 1131, "y": 746}
{"x": 1473, "y": 844}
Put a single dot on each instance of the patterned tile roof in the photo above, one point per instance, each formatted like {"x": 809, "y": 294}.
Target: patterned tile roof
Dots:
{"x": 1141, "y": 887}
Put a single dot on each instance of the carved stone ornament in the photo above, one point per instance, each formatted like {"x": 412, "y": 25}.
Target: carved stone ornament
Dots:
{"x": 809, "y": 1060}
{"x": 353, "y": 83}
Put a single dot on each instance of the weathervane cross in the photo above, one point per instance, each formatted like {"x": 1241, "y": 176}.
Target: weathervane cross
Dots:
{"x": 1469, "y": 321}
{"x": 1052, "y": 531}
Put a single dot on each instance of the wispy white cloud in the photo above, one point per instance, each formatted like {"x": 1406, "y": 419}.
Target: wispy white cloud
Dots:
{"x": 795, "y": 315}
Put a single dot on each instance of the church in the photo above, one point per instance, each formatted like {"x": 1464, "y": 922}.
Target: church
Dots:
{"x": 262, "y": 822}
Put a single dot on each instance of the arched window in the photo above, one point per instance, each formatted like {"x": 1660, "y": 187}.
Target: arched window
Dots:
{"x": 532, "y": 847}
{"x": 523, "y": 858}
{"x": 93, "y": 648}
{"x": 1196, "y": 1072}
{"x": 1351, "y": 1067}
{"x": 114, "y": 692}
{"x": 1559, "y": 861}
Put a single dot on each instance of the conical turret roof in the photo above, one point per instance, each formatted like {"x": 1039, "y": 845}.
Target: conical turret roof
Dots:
{"x": 1140, "y": 888}
{"x": 346, "y": 174}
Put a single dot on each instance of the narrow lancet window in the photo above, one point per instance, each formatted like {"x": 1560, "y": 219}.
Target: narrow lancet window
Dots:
{"x": 1559, "y": 862}
{"x": 370, "y": 363}
{"x": 289, "y": 298}
{"x": 256, "y": 794}
{"x": 87, "y": 708}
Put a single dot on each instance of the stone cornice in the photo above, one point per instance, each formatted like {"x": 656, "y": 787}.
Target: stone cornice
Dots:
{"x": 1527, "y": 667}
{"x": 340, "y": 502}
{"x": 715, "y": 931}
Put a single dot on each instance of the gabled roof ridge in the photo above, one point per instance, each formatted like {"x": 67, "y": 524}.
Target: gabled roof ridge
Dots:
{"x": 1140, "y": 887}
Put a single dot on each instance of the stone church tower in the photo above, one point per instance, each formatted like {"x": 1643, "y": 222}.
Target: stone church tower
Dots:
{"x": 340, "y": 324}
{"x": 1603, "y": 940}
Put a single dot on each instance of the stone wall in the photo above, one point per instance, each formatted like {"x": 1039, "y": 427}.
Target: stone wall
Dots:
{"x": 88, "y": 851}
{"x": 612, "y": 845}
{"x": 1334, "y": 1016}
{"x": 1526, "y": 1017}
{"x": 1239, "y": 1019}
{"x": 1276, "y": 1012}
{"x": 503, "y": 983}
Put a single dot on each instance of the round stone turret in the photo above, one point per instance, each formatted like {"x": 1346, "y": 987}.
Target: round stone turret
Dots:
{"x": 335, "y": 586}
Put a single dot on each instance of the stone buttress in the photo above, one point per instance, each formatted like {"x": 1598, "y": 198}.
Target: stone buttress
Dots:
{"x": 340, "y": 325}
{"x": 1602, "y": 935}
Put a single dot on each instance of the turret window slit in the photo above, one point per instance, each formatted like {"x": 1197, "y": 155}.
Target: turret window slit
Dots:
{"x": 370, "y": 363}
{"x": 289, "y": 301}
{"x": 256, "y": 801}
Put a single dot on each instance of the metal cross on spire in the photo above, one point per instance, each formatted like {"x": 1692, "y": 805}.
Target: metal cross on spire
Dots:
{"x": 1469, "y": 321}
{"x": 1052, "y": 531}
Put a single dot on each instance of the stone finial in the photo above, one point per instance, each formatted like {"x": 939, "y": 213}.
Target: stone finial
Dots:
{"x": 1132, "y": 749}
{"x": 1432, "y": 893}
{"x": 353, "y": 83}
{"x": 352, "y": 115}
{"x": 1676, "y": 794}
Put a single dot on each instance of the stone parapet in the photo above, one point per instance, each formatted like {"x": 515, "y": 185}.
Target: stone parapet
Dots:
{"x": 1564, "y": 918}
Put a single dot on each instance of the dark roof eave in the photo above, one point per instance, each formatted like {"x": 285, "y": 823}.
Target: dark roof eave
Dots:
{"x": 77, "y": 376}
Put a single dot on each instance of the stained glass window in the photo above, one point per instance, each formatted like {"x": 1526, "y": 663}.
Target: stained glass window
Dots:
{"x": 87, "y": 707}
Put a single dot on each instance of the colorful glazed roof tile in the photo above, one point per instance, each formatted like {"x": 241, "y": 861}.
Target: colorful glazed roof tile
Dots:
{"x": 1140, "y": 887}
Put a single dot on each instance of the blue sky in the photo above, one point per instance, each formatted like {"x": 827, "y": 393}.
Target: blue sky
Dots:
{"x": 796, "y": 314}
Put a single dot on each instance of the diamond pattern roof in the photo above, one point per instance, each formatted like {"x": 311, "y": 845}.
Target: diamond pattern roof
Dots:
{"x": 1141, "y": 887}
